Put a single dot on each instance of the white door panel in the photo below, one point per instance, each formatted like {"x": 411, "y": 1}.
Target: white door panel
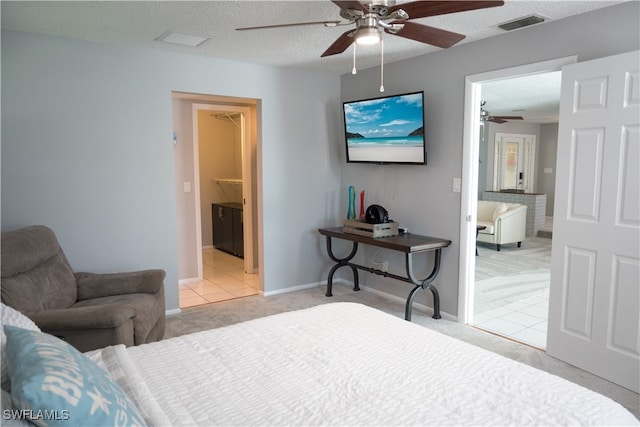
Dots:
{"x": 594, "y": 307}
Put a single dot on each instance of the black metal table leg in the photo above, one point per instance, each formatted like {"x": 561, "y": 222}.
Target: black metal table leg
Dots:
{"x": 341, "y": 262}
{"x": 409, "y": 306}
{"x": 410, "y": 244}
{"x": 423, "y": 284}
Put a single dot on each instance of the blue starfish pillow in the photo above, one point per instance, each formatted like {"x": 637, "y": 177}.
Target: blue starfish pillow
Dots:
{"x": 56, "y": 385}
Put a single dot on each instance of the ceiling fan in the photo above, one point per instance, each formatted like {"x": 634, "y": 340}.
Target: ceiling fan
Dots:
{"x": 485, "y": 116}
{"x": 371, "y": 17}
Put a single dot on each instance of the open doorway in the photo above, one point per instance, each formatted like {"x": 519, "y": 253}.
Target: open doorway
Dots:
{"x": 505, "y": 289}
{"x": 215, "y": 145}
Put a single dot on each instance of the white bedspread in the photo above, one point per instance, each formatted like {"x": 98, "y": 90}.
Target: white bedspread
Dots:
{"x": 346, "y": 364}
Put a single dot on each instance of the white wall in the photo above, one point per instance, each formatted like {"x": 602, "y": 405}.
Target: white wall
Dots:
{"x": 420, "y": 197}
{"x": 87, "y": 150}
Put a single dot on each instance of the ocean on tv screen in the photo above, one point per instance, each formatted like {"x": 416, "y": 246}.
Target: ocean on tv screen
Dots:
{"x": 385, "y": 130}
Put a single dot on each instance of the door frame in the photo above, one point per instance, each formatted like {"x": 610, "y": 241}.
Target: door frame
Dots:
{"x": 247, "y": 178}
{"x": 470, "y": 169}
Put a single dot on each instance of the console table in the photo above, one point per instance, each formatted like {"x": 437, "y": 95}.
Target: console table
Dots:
{"x": 407, "y": 243}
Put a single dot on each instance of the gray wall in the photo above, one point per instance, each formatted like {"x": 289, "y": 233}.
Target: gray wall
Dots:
{"x": 547, "y": 160}
{"x": 87, "y": 150}
{"x": 420, "y": 197}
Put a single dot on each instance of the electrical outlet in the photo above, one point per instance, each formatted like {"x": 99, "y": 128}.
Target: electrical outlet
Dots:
{"x": 381, "y": 265}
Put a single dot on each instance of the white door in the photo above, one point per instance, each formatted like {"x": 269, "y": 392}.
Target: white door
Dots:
{"x": 514, "y": 160}
{"x": 594, "y": 314}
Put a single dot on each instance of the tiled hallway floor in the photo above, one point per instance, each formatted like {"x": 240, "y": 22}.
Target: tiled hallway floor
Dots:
{"x": 512, "y": 290}
{"x": 224, "y": 279}
{"x": 524, "y": 321}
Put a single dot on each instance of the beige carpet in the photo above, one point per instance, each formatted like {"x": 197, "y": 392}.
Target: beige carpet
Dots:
{"x": 229, "y": 312}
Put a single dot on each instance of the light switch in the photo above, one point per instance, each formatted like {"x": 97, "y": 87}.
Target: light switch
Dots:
{"x": 457, "y": 182}
{"x": 456, "y": 185}
{"x": 187, "y": 187}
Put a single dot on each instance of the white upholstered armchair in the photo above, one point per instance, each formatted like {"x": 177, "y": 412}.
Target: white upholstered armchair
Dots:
{"x": 504, "y": 222}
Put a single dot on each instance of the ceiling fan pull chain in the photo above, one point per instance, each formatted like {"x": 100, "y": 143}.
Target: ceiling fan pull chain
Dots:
{"x": 381, "y": 65}
{"x": 353, "y": 71}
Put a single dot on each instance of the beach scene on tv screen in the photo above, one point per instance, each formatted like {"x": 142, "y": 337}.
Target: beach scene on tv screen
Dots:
{"x": 387, "y": 129}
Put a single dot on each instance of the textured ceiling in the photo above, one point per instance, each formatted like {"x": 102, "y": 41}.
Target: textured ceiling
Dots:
{"x": 140, "y": 23}
{"x": 534, "y": 97}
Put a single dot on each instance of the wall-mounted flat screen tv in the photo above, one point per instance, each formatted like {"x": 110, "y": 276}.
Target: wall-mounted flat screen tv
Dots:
{"x": 386, "y": 130}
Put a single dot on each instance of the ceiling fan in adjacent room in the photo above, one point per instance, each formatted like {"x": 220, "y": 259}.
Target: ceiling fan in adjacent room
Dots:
{"x": 374, "y": 16}
{"x": 485, "y": 116}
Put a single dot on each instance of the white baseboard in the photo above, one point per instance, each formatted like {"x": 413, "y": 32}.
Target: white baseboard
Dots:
{"x": 190, "y": 280}
{"x": 292, "y": 289}
{"x": 172, "y": 312}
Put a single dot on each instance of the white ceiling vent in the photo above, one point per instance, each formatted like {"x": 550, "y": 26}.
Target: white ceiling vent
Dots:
{"x": 183, "y": 39}
{"x": 525, "y": 21}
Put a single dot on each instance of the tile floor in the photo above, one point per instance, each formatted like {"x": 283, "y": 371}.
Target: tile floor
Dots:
{"x": 523, "y": 319}
{"x": 224, "y": 279}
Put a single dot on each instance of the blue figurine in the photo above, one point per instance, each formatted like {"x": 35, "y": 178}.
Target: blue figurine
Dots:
{"x": 351, "y": 213}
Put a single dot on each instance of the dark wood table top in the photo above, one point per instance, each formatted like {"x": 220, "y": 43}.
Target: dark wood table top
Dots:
{"x": 406, "y": 242}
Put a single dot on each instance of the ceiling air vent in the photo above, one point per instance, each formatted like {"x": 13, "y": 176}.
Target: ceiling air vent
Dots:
{"x": 522, "y": 22}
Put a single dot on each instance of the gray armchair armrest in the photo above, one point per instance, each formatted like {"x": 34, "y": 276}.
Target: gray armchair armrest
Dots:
{"x": 82, "y": 318}
{"x": 92, "y": 285}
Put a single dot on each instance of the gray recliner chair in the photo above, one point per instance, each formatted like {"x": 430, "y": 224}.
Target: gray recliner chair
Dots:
{"x": 87, "y": 310}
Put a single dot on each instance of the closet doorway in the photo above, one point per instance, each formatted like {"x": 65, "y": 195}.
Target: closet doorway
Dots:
{"x": 215, "y": 148}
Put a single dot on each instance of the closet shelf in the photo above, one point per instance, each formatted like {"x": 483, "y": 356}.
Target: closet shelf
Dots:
{"x": 228, "y": 181}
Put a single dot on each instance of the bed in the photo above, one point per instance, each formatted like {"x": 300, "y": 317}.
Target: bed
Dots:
{"x": 334, "y": 364}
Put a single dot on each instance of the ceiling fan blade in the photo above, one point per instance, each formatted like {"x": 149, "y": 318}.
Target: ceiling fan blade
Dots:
{"x": 341, "y": 44}
{"x": 426, "y": 34}
{"x": 507, "y": 117}
{"x": 297, "y": 24}
{"x": 422, "y": 9}
{"x": 351, "y": 4}
{"x": 496, "y": 120}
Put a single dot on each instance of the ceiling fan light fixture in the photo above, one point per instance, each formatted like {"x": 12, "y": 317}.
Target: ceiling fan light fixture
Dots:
{"x": 368, "y": 36}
